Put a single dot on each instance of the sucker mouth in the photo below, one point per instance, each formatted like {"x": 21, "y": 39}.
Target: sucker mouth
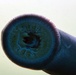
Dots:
{"x": 32, "y": 40}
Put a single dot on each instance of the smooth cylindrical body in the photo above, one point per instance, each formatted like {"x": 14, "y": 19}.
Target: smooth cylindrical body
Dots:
{"x": 64, "y": 62}
{"x": 32, "y": 41}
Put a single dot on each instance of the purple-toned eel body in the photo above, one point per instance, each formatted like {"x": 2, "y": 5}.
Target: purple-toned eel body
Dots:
{"x": 33, "y": 42}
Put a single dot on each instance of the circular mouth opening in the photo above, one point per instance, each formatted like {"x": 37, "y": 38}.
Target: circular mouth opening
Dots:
{"x": 32, "y": 40}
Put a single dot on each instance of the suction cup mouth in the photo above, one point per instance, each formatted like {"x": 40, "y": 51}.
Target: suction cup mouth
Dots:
{"x": 30, "y": 41}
